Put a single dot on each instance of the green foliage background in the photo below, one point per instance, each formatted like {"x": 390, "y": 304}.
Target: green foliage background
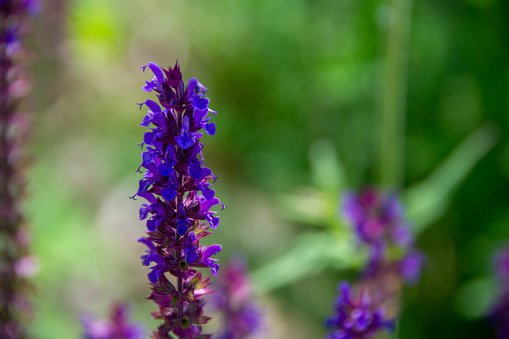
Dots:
{"x": 296, "y": 83}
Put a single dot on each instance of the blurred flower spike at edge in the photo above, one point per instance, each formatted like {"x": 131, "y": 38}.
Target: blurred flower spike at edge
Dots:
{"x": 117, "y": 326}
{"x": 15, "y": 262}
{"x": 179, "y": 194}
{"x": 233, "y": 299}
{"x": 500, "y": 310}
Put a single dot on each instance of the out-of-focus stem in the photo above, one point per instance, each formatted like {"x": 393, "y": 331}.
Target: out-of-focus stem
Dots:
{"x": 393, "y": 95}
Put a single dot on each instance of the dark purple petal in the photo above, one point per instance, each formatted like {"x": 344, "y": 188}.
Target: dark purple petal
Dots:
{"x": 169, "y": 193}
{"x": 144, "y": 211}
{"x": 165, "y": 169}
{"x": 146, "y": 121}
{"x": 148, "y": 138}
{"x": 210, "y": 128}
{"x": 184, "y": 141}
{"x": 208, "y": 193}
{"x": 144, "y": 184}
{"x": 195, "y": 170}
{"x": 200, "y": 103}
{"x": 192, "y": 254}
{"x": 211, "y": 250}
{"x": 182, "y": 226}
{"x": 158, "y": 72}
{"x": 147, "y": 157}
{"x": 153, "y": 106}
{"x": 191, "y": 85}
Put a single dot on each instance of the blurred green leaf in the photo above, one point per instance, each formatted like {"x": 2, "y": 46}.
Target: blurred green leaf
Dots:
{"x": 327, "y": 172}
{"x": 318, "y": 207}
{"x": 427, "y": 200}
{"x": 310, "y": 254}
{"x": 307, "y": 206}
{"x": 474, "y": 298}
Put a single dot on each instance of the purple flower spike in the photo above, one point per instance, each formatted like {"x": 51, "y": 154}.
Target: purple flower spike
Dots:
{"x": 378, "y": 221}
{"x": 177, "y": 215}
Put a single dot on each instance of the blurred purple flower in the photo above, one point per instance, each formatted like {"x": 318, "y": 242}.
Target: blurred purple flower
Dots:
{"x": 500, "y": 311}
{"x": 356, "y": 316}
{"x": 117, "y": 326}
{"x": 233, "y": 298}
{"x": 378, "y": 221}
{"x": 376, "y": 217}
{"x": 178, "y": 216}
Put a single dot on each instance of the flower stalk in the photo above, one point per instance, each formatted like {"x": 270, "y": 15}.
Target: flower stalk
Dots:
{"x": 177, "y": 187}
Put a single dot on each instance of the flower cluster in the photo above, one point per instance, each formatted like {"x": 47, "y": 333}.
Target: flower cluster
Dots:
{"x": 233, "y": 299}
{"x": 378, "y": 221}
{"x": 15, "y": 262}
{"x": 117, "y": 326}
{"x": 178, "y": 189}
{"x": 356, "y": 315}
{"x": 500, "y": 311}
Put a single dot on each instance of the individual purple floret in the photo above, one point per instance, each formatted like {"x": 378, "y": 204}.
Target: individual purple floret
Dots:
{"x": 356, "y": 316}
{"x": 179, "y": 194}
{"x": 117, "y": 326}
{"x": 500, "y": 312}
{"x": 233, "y": 299}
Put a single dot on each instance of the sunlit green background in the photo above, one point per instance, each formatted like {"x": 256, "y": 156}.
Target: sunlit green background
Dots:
{"x": 297, "y": 87}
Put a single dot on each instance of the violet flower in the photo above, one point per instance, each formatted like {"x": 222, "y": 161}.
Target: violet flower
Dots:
{"x": 233, "y": 298}
{"x": 378, "y": 221}
{"x": 356, "y": 316}
{"x": 177, "y": 187}
{"x": 500, "y": 312}
{"x": 15, "y": 262}
{"x": 117, "y": 326}
{"x": 377, "y": 218}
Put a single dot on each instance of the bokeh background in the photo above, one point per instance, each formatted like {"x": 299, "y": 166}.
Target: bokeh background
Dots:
{"x": 297, "y": 85}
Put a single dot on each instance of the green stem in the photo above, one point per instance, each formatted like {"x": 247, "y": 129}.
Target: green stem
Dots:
{"x": 393, "y": 95}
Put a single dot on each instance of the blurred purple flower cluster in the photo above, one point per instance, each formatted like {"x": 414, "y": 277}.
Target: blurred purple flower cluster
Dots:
{"x": 371, "y": 305}
{"x": 177, "y": 187}
{"x": 356, "y": 316}
{"x": 116, "y": 327}
{"x": 378, "y": 220}
{"x": 500, "y": 311}
{"x": 233, "y": 298}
